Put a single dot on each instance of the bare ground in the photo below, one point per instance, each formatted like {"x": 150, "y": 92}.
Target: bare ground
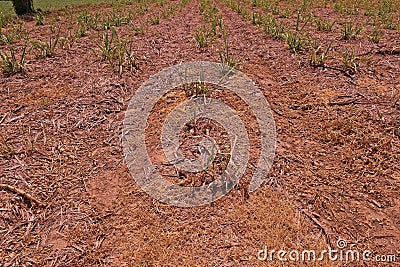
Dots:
{"x": 335, "y": 173}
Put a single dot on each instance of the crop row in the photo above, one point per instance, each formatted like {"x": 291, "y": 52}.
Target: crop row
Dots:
{"x": 16, "y": 44}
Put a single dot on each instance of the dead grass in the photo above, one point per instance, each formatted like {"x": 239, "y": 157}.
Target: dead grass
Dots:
{"x": 336, "y": 171}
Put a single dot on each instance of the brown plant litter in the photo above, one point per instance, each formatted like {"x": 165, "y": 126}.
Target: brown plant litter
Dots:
{"x": 67, "y": 198}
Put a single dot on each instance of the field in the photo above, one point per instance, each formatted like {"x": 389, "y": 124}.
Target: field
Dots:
{"x": 330, "y": 71}
{"x": 48, "y": 5}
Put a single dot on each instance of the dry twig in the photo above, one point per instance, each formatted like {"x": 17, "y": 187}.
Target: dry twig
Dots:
{"x": 319, "y": 224}
{"x": 22, "y": 193}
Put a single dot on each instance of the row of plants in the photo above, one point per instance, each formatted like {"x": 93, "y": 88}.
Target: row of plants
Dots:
{"x": 117, "y": 51}
{"x": 213, "y": 29}
{"x": 384, "y": 12}
{"x": 349, "y": 29}
{"x": 268, "y": 16}
{"x": 16, "y": 44}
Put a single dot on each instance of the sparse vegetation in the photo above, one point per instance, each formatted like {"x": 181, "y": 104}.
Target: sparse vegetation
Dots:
{"x": 46, "y": 48}
{"x": 274, "y": 17}
{"x": 375, "y": 35}
{"x": 225, "y": 55}
{"x": 39, "y": 18}
{"x": 328, "y": 69}
{"x": 295, "y": 41}
{"x": 200, "y": 37}
{"x": 155, "y": 20}
{"x": 117, "y": 51}
{"x": 10, "y": 63}
{"x": 212, "y": 27}
{"x": 273, "y": 27}
{"x": 324, "y": 24}
{"x": 349, "y": 30}
{"x": 350, "y": 61}
{"x": 319, "y": 56}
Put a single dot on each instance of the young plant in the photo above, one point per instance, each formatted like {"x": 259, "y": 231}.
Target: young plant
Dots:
{"x": 169, "y": 11}
{"x": 197, "y": 89}
{"x": 318, "y": 58}
{"x": 388, "y": 22}
{"x": 375, "y": 35}
{"x": 256, "y": 18}
{"x": 11, "y": 35}
{"x": 224, "y": 54}
{"x": 120, "y": 55}
{"x": 107, "y": 46}
{"x": 46, "y": 49}
{"x": 143, "y": 8}
{"x": 324, "y": 24}
{"x": 350, "y": 31}
{"x": 369, "y": 9}
{"x": 295, "y": 41}
{"x": 116, "y": 19}
{"x": 155, "y": 20}
{"x": 200, "y": 37}
{"x": 350, "y": 61}
{"x": 10, "y": 64}
{"x": 39, "y": 18}
{"x": 131, "y": 57}
{"x": 272, "y": 28}
{"x": 119, "y": 51}
{"x": 305, "y": 5}
{"x": 80, "y": 31}
{"x": 243, "y": 12}
{"x": 63, "y": 42}
{"x": 274, "y": 7}
{"x": 137, "y": 29}
{"x": 125, "y": 57}
{"x": 212, "y": 26}
{"x": 286, "y": 13}
{"x": 83, "y": 17}
{"x": 71, "y": 38}
{"x": 386, "y": 7}
{"x": 86, "y": 21}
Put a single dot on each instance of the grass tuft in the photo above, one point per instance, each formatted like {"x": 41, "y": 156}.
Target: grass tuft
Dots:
{"x": 10, "y": 64}
{"x": 349, "y": 31}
